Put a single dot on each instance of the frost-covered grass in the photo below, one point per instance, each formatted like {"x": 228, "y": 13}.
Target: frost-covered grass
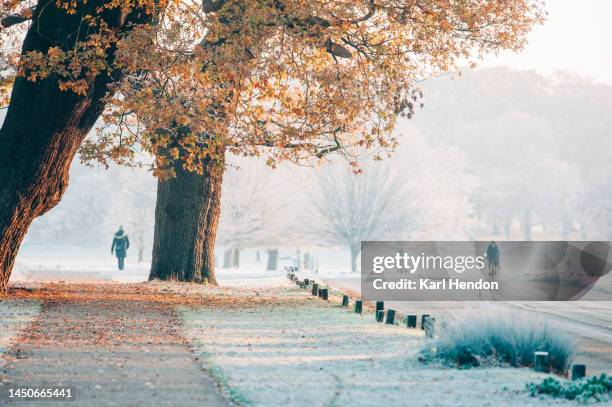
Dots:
{"x": 317, "y": 354}
{"x": 14, "y": 316}
{"x": 507, "y": 338}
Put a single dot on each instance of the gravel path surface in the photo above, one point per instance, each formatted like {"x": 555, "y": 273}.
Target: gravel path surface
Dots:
{"x": 117, "y": 349}
{"x": 15, "y": 315}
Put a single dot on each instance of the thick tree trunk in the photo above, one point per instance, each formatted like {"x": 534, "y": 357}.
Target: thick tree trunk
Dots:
{"x": 272, "y": 260}
{"x": 567, "y": 228}
{"x": 227, "y": 258}
{"x": 236, "y": 257}
{"x": 298, "y": 258}
{"x": 307, "y": 265}
{"x": 495, "y": 228}
{"x": 527, "y": 225}
{"x": 354, "y": 254}
{"x": 44, "y": 127}
{"x": 508, "y": 228}
{"x": 186, "y": 218}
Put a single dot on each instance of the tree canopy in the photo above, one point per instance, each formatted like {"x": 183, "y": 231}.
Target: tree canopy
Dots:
{"x": 287, "y": 79}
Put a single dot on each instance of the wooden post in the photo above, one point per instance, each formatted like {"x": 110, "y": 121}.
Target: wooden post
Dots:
{"x": 411, "y": 321}
{"x": 423, "y": 317}
{"x": 345, "y": 300}
{"x": 578, "y": 371}
{"x": 315, "y": 289}
{"x": 358, "y": 306}
{"x": 380, "y": 315}
{"x": 380, "y": 306}
{"x": 390, "y": 316}
{"x": 324, "y": 294}
{"x": 430, "y": 327}
{"x": 541, "y": 362}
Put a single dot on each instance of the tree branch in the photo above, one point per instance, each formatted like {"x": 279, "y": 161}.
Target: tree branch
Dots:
{"x": 17, "y": 18}
{"x": 370, "y": 14}
{"x": 330, "y": 149}
{"x": 210, "y": 6}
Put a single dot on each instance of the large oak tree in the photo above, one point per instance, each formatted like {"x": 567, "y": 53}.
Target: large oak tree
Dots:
{"x": 53, "y": 103}
{"x": 287, "y": 79}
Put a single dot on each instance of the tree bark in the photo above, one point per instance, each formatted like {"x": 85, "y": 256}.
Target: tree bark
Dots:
{"x": 307, "y": 265}
{"x": 566, "y": 228}
{"x": 272, "y": 260}
{"x": 495, "y": 228}
{"x": 236, "y": 257}
{"x": 298, "y": 258}
{"x": 227, "y": 258}
{"x": 527, "y": 225}
{"x": 186, "y": 218}
{"x": 44, "y": 126}
{"x": 354, "y": 254}
{"x": 508, "y": 228}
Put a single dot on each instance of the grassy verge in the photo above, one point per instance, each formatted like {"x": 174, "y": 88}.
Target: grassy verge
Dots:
{"x": 508, "y": 339}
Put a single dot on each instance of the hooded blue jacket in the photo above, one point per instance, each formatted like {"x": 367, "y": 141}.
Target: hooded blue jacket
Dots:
{"x": 120, "y": 244}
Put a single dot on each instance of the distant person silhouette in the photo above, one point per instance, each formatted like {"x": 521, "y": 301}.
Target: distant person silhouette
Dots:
{"x": 493, "y": 256}
{"x": 120, "y": 245}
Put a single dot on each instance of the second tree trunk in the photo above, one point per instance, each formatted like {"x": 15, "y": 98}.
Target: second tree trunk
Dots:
{"x": 186, "y": 218}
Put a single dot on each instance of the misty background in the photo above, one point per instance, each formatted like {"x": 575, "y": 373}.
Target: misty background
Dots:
{"x": 517, "y": 149}
{"x": 495, "y": 154}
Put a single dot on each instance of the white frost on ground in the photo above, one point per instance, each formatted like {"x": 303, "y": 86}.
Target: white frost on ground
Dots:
{"x": 317, "y": 354}
{"x": 15, "y": 315}
{"x": 71, "y": 264}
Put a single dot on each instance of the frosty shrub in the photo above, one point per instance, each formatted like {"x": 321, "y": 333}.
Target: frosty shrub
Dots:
{"x": 503, "y": 339}
{"x": 592, "y": 389}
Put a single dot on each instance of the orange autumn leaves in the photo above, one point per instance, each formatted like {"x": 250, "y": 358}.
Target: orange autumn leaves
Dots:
{"x": 286, "y": 79}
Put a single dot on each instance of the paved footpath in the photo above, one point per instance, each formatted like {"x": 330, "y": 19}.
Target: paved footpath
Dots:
{"x": 115, "y": 350}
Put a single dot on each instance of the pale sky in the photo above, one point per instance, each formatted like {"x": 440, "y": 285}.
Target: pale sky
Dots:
{"x": 576, "y": 37}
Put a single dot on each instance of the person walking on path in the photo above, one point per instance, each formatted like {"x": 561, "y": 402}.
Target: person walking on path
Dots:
{"x": 493, "y": 255}
{"x": 120, "y": 245}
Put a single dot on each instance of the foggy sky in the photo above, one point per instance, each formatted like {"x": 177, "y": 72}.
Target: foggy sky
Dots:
{"x": 574, "y": 38}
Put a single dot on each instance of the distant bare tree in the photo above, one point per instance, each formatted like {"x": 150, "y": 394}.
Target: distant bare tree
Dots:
{"x": 250, "y": 209}
{"x": 421, "y": 193}
{"x": 348, "y": 208}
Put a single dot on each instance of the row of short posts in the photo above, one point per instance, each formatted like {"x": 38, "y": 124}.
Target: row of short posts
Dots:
{"x": 541, "y": 361}
{"x": 316, "y": 289}
{"x": 427, "y": 322}
{"x": 323, "y": 293}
